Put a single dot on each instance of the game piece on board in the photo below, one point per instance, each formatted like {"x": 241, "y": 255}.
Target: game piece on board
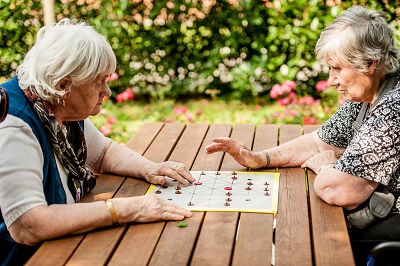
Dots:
{"x": 178, "y": 192}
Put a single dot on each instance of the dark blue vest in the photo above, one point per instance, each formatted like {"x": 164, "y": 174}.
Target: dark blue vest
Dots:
{"x": 12, "y": 253}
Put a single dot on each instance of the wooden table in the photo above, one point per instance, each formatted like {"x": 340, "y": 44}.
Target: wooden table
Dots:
{"x": 308, "y": 231}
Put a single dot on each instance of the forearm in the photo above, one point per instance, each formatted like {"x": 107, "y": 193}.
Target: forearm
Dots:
{"x": 293, "y": 153}
{"x": 45, "y": 222}
{"x": 121, "y": 160}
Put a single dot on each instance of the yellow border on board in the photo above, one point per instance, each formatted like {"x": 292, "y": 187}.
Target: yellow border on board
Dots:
{"x": 275, "y": 193}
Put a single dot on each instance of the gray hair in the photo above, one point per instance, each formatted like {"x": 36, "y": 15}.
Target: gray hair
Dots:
{"x": 69, "y": 50}
{"x": 357, "y": 37}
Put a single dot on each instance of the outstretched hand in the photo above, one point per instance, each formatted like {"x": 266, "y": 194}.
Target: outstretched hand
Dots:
{"x": 238, "y": 151}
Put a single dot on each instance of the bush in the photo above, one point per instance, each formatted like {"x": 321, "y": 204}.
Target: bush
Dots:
{"x": 178, "y": 49}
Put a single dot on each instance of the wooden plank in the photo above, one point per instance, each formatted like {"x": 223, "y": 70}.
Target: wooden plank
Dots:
{"x": 183, "y": 238}
{"x": 134, "y": 247}
{"x": 216, "y": 237}
{"x": 51, "y": 253}
{"x": 189, "y": 144}
{"x": 257, "y": 229}
{"x": 165, "y": 142}
{"x": 292, "y": 240}
{"x": 218, "y": 251}
{"x": 254, "y": 227}
{"x": 221, "y": 228}
{"x": 211, "y": 162}
{"x": 144, "y": 137}
{"x": 330, "y": 237}
{"x": 244, "y": 134}
{"x": 327, "y": 223}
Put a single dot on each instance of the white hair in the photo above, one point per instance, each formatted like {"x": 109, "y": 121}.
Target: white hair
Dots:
{"x": 357, "y": 37}
{"x": 76, "y": 51}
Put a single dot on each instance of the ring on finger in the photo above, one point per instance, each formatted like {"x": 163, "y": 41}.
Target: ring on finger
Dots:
{"x": 175, "y": 167}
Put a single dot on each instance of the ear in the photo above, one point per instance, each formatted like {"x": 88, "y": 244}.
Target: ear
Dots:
{"x": 63, "y": 83}
{"x": 371, "y": 67}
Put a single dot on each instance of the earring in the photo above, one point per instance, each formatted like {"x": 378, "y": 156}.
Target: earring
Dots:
{"x": 63, "y": 102}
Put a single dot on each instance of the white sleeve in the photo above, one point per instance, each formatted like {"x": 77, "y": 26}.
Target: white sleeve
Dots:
{"x": 21, "y": 169}
{"x": 95, "y": 142}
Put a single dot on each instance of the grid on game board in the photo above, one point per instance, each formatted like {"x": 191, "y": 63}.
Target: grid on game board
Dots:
{"x": 224, "y": 191}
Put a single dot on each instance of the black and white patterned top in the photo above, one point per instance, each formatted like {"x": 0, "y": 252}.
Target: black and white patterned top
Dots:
{"x": 374, "y": 151}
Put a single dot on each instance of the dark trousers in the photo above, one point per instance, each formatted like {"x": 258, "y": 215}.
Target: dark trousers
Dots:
{"x": 363, "y": 240}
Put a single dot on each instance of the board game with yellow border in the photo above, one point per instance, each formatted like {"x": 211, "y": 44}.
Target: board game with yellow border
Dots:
{"x": 223, "y": 191}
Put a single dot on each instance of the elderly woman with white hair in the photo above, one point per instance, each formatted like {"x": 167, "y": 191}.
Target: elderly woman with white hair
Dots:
{"x": 51, "y": 152}
{"x": 356, "y": 153}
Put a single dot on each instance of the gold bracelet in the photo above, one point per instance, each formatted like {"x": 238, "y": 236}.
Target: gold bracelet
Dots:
{"x": 114, "y": 215}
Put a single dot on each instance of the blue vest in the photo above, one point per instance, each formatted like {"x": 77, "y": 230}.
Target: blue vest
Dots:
{"x": 12, "y": 253}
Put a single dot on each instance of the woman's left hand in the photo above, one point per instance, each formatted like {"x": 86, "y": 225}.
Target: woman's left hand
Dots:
{"x": 157, "y": 172}
{"x": 319, "y": 160}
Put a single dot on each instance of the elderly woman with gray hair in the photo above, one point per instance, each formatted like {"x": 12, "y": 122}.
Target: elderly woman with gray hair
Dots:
{"x": 356, "y": 153}
{"x": 51, "y": 152}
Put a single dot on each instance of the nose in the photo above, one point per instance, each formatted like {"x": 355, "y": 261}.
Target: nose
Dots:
{"x": 332, "y": 80}
{"x": 106, "y": 90}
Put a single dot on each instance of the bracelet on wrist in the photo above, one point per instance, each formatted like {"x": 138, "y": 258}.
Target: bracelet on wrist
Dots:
{"x": 268, "y": 158}
{"x": 325, "y": 165}
{"x": 114, "y": 215}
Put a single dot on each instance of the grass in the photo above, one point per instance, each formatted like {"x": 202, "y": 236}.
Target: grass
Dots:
{"x": 120, "y": 121}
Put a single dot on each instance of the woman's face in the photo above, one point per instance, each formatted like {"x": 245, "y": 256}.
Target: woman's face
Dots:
{"x": 355, "y": 86}
{"x": 85, "y": 100}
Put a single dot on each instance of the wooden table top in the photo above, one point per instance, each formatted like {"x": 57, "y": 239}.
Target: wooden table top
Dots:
{"x": 308, "y": 231}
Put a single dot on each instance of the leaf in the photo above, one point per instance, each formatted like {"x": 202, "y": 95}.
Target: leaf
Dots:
{"x": 182, "y": 224}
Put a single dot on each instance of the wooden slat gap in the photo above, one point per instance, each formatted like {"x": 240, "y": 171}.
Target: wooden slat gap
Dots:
{"x": 198, "y": 151}
{"x": 197, "y": 237}
{"x": 126, "y": 226}
{"x": 175, "y": 142}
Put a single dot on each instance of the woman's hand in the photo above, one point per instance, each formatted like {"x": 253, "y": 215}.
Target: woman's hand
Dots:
{"x": 156, "y": 173}
{"x": 147, "y": 208}
{"x": 238, "y": 151}
{"x": 320, "y": 160}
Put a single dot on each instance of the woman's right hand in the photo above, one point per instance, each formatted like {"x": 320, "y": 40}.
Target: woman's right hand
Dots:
{"x": 238, "y": 151}
{"x": 147, "y": 208}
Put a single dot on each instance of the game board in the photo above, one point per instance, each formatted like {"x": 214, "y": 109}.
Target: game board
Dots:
{"x": 223, "y": 191}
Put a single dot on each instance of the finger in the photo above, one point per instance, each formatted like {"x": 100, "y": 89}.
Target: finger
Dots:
{"x": 215, "y": 147}
{"x": 158, "y": 179}
{"x": 185, "y": 174}
{"x": 176, "y": 210}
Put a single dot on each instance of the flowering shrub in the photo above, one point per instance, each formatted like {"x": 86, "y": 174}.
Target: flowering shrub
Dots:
{"x": 303, "y": 109}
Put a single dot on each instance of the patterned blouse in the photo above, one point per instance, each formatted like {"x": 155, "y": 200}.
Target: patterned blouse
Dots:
{"x": 374, "y": 151}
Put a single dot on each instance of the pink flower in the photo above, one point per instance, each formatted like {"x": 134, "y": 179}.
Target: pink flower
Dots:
{"x": 284, "y": 101}
{"x": 321, "y": 85}
{"x": 111, "y": 120}
{"x": 256, "y": 107}
{"x": 113, "y": 76}
{"x": 291, "y": 84}
{"x": 103, "y": 111}
{"x": 275, "y": 91}
{"x": 189, "y": 117}
{"x": 106, "y": 129}
{"x": 125, "y": 95}
{"x": 306, "y": 100}
{"x": 180, "y": 110}
{"x": 308, "y": 120}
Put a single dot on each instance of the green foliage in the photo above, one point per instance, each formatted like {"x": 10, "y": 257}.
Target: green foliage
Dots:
{"x": 179, "y": 49}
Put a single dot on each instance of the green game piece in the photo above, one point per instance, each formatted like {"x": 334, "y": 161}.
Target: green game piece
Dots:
{"x": 182, "y": 224}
